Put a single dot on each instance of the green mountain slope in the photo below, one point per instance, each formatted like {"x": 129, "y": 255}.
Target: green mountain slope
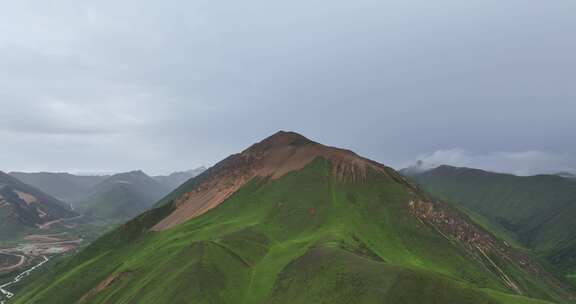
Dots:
{"x": 121, "y": 197}
{"x": 291, "y": 221}
{"x": 24, "y": 208}
{"x": 539, "y": 211}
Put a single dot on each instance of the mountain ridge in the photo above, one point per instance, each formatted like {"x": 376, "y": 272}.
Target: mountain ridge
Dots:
{"x": 292, "y": 221}
{"x": 271, "y": 158}
{"x": 175, "y": 179}
{"x": 62, "y": 185}
{"x": 25, "y": 207}
{"x": 538, "y": 210}
{"x": 122, "y": 196}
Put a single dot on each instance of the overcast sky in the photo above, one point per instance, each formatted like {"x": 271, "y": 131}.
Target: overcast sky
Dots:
{"x": 169, "y": 85}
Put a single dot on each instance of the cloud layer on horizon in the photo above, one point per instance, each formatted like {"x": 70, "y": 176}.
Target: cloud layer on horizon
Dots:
{"x": 518, "y": 163}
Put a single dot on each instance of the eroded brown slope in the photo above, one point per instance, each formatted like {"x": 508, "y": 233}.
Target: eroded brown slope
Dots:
{"x": 285, "y": 152}
{"x": 272, "y": 158}
{"x": 480, "y": 244}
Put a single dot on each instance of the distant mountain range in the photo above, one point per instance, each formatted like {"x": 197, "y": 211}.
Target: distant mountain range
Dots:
{"x": 23, "y": 207}
{"x": 121, "y": 196}
{"x": 113, "y": 198}
{"x": 538, "y": 211}
{"x": 172, "y": 181}
{"x": 64, "y": 186}
{"x": 291, "y": 221}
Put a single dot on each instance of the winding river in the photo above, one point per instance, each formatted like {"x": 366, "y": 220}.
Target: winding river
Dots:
{"x": 7, "y": 294}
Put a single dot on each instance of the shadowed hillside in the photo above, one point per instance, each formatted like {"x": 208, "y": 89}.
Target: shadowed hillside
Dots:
{"x": 64, "y": 186}
{"x": 23, "y": 207}
{"x": 121, "y": 196}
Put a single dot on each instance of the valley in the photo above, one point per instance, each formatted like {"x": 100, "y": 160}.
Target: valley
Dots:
{"x": 38, "y": 227}
{"x": 10, "y": 261}
{"x": 19, "y": 260}
{"x": 5, "y": 294}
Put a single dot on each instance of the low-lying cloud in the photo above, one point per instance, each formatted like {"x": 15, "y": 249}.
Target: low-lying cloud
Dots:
{"x": 519, "y": 163}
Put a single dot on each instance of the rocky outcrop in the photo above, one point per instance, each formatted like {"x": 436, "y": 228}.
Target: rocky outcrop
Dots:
{"x": 480, "y": 244}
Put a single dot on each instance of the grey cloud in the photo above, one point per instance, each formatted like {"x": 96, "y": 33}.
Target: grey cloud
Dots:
{"x": 119, "y": 85}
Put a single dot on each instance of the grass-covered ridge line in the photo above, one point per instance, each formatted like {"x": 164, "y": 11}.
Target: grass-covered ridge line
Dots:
{"x": 306, "y": 237}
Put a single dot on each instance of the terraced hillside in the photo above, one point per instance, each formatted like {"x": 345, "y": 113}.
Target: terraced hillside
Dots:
{"x": 292, "y": 221}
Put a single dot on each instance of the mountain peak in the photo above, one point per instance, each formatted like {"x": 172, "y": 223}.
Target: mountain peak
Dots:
{"x": 287, "y": 135}
{"x": 280, "y": 139}
{"x": 272, "y": 158}
{"x": 288, "y": 213}
{"x": 135, "y": 172}
{"x": 130, "y": 174}
{"x": 285, "y": 151}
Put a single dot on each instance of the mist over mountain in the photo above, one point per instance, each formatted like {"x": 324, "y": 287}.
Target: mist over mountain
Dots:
{"x": 121, "y": 196}
{"x": 65, "y": 186}
{"x": 569, "y": 175}
{"x": 23, "y": 207}
{"x": 175, "y": 179}
{"x": 114, "y": 197}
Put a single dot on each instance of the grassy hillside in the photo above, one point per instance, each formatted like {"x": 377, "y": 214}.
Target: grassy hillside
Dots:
{"x": 538, "y": 211}
{"x": 308, "y": 237}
